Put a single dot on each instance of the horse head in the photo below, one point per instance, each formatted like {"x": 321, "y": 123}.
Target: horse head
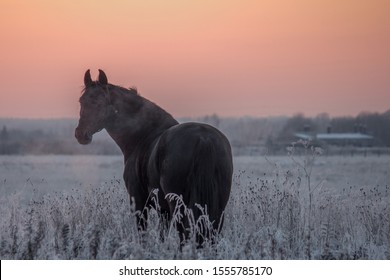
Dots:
{"x": 95, "y": 107}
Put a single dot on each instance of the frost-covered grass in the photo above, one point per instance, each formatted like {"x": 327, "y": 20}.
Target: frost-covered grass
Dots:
{"x": 285, "y": 212}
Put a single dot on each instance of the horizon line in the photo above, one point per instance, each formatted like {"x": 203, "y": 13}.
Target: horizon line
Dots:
{"x": 217, "y": 115}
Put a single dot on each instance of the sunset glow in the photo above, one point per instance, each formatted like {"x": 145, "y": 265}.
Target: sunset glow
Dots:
{"x": 232, "y": 58}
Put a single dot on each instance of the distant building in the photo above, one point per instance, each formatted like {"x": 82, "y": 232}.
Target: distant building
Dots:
{"x": 338, "y": 139}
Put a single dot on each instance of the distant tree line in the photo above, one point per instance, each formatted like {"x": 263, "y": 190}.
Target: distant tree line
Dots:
{"x": 19, "y": 142}
{"x": 246, "y": 134}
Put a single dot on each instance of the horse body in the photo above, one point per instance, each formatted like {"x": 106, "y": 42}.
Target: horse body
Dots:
{"x": 190, "y": 160}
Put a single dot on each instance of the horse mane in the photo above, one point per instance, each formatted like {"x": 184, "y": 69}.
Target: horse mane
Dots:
{"x": 131, "y": 91}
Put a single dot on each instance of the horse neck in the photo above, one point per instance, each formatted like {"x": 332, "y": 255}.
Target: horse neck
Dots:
{"x": 133, "y": 129}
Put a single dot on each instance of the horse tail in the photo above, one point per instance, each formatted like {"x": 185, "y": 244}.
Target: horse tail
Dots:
{"x": 206, "y": 189}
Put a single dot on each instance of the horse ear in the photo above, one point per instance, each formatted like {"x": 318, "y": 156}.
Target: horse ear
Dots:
{"x": 87, "y": 78}
{"x": 102, "y": 78}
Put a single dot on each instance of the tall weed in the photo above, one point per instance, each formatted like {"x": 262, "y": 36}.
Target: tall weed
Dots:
{"x": 282, "y": 215}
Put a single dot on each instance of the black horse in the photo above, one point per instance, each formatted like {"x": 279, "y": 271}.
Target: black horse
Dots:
{"x": 190, "y": 162}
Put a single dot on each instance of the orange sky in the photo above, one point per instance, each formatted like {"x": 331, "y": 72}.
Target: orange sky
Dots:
{"x": 233, "y": 58}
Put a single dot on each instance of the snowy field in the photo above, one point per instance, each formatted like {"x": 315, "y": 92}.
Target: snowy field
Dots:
{"x": 291, "y": 207}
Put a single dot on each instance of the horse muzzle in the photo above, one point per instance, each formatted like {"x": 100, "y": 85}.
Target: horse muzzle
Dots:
{"x": 82, "y": 136}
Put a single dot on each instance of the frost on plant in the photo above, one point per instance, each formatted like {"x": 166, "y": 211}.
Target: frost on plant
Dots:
{"x": 286, "y": 213}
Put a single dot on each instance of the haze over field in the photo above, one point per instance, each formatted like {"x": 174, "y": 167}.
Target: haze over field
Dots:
{"x": 194, "y": 58}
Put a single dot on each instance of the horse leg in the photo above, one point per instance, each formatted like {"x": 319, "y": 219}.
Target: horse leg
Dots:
{"x": 138, "y": 201}
{"x": 142, "y": 219}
